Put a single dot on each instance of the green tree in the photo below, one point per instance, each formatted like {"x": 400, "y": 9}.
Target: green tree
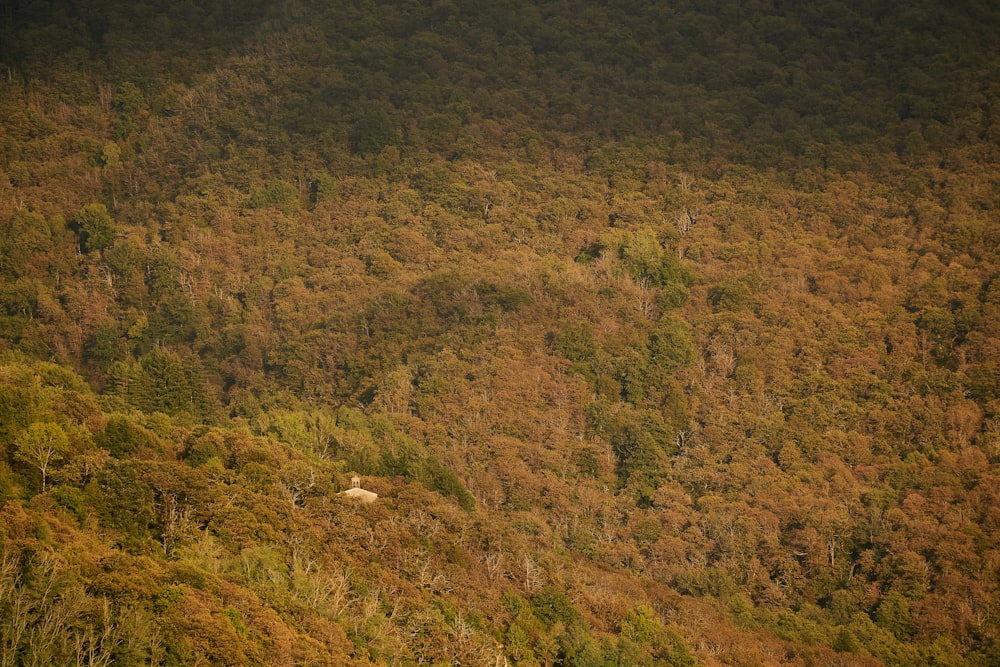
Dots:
{"x": 893, "y": 614}
{"x": 126, "y": 500}
{"x": 20, "y": 404}
{"x": 128, "y": 103}
{"x": 375, "y": 131}
{"x": 42, "y": 445}
{"x": 640, "y": 455}
{"x": 121, "y": 436}
{"x": 670, "y": 344}
{"x": 643, "y": 627}
{"x": 275, "y": 193}
{"x": 97, "y": 229}
{"x": 165, "y": 382}
{"x": 575, "y": 341}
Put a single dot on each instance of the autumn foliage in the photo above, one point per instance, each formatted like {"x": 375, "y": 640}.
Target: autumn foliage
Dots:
{"x": 667, "y": 333}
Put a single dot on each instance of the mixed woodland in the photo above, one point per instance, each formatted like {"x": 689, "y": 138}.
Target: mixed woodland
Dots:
{"x": 668, "y": 333}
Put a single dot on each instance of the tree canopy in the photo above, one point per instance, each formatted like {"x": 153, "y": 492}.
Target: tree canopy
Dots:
{"x": 667, "y": 333}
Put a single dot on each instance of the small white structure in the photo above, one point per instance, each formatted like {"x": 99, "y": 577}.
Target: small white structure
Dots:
{"x": 361, "y": 494}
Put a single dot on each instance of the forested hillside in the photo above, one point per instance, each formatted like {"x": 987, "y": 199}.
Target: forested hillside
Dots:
{"x": 668, "y": 333}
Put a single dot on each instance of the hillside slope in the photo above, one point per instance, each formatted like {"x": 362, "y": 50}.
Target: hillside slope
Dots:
{"x": 666, "y": 335}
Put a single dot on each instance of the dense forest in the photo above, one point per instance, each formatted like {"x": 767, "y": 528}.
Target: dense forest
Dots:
{"x": 668, "y": 333}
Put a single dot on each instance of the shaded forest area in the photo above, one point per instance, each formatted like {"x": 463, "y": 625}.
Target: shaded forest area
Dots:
{"x": 668, "y": 333}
